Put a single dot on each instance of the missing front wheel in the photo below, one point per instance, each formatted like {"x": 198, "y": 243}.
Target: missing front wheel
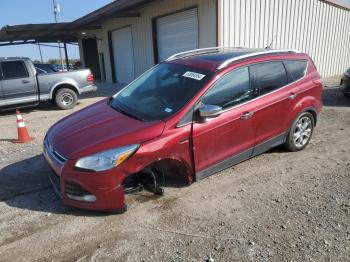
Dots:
{"x": 151, "y": 180}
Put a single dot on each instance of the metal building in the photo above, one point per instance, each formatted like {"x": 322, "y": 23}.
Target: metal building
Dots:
{"x": 316, "y": 27}
{"x": 136, "y": 34}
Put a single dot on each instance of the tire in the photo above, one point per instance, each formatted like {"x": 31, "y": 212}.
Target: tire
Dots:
{"x": 301, "y": 132}
{"x": 346, "y": 95}
{"x": 66, "y": 99}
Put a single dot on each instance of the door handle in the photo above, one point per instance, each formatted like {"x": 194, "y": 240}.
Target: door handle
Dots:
{"x": 25, "y": 81}
{"x": 247, "y": 115}
{"x": 292, "y": 96}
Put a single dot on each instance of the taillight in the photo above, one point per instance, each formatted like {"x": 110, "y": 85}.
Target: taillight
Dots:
{"x": 90, "y": 78}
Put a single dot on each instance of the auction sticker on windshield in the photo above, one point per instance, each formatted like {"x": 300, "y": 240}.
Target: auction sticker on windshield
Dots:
{"x": 193, "y": 75}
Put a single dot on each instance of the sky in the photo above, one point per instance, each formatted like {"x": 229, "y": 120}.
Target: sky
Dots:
{"x": 13, "y": 12}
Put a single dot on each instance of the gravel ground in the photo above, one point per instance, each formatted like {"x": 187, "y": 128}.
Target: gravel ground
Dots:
{"x": 279, "y": 206}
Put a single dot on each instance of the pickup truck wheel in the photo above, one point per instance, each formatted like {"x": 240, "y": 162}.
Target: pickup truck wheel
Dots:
{"x": 66, "y": 98}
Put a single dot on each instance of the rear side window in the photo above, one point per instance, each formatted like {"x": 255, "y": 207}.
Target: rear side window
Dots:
{"x": 232, "y": 89}
{"x": 296, "y": 68}
{"x": 269, "y": 76}
{"x": 13, "y": 69}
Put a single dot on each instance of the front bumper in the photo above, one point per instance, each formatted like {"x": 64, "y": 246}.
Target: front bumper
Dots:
{"x": 100, "y": 191}
{"x": 88, "y": 89}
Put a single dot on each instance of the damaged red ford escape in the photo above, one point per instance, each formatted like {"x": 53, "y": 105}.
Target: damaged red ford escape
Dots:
{"x": 191, "y": 116}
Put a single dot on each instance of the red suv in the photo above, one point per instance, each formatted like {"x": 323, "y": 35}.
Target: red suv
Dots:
{"x": 191, "y": 116}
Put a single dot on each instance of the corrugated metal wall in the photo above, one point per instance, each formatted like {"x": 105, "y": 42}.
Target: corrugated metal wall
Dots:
{"x": 312, "y": 26}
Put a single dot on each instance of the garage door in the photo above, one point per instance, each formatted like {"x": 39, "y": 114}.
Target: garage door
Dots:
{"x": 123, "y": 55}
{"x": 177, "y": 33}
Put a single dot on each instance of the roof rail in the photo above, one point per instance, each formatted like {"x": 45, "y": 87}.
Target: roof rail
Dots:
{"x": 272, "y": 51}
{"x": 197, "y": 51}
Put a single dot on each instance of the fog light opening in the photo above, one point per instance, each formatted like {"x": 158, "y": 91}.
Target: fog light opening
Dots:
{"x": 86, "y": 198}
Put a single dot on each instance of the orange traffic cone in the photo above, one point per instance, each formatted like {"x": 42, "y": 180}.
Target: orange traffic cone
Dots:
{"x": 23, "y": 136}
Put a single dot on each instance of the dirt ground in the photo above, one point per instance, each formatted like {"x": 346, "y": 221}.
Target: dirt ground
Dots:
{"x": 279, "y": 206}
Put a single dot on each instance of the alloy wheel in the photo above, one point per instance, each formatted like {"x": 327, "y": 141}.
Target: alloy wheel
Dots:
{"x": 302, "y": 131}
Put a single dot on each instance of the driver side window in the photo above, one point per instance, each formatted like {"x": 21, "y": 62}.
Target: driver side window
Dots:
{"x": 232, "y": 89}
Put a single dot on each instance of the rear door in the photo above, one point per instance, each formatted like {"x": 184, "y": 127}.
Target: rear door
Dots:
{"x": 229, "y": 138}
{"x": 276, "y": 98}
{"x": 18, "y": 84}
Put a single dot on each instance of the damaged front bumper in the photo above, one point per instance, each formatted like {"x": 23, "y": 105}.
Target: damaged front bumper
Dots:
{"x": 100, "y": 191}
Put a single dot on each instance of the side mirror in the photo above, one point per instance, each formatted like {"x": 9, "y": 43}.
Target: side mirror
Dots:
{"x": 209, "y": 111}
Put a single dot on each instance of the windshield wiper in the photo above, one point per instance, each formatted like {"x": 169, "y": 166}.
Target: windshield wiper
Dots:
{"x": 126, "y": 113}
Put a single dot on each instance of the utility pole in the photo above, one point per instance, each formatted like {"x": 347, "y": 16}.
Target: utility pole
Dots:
{"x": 56, "y": 10}
{"x": 41, "y": 55}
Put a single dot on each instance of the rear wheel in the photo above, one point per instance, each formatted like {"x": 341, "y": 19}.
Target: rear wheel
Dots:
{"x": 301, "y": 131}
{"x": 66, "y": 98}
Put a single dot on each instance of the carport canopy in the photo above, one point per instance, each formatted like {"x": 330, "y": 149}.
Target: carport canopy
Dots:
{"x": 41, "y": 33}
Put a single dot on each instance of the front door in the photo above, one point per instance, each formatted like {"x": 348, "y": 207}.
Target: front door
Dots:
{"x": 123, "y": 55}
{"x": 18, "y": 85}
{"x": 229, "y": 138}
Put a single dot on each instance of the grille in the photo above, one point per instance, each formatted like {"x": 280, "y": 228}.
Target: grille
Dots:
{"x": 53, "y": 153}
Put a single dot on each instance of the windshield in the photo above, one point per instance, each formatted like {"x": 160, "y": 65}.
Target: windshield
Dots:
{"x": 160, "y": 92}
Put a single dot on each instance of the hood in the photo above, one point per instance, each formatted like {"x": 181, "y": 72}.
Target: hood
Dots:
{"x": 97, "y": 128}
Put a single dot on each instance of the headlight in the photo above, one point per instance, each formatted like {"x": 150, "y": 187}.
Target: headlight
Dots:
{"x": 107, "y": 159}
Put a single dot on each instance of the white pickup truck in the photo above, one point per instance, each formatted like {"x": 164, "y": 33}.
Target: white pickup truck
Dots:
{"x": 21, "y": 86}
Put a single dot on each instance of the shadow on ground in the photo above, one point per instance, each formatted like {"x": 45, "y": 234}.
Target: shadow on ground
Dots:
{"x": 332, "y": 96}
{"x": 25, "y": 185}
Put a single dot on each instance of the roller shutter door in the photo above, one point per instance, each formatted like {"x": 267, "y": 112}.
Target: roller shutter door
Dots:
{"x": 177, "y": 33}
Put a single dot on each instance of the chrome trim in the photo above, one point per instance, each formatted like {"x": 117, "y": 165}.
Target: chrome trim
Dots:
{"x": 195, "y": 51}
{"x": 85, "y": 198}
{"x": 210, "y": 111}
{"x": 54, "y": 154}
{"x": 229, "y": 61}
{"x": 258, "y": 97}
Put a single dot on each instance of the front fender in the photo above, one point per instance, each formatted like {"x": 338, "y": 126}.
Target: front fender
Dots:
{"x": 173, "y": 148}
